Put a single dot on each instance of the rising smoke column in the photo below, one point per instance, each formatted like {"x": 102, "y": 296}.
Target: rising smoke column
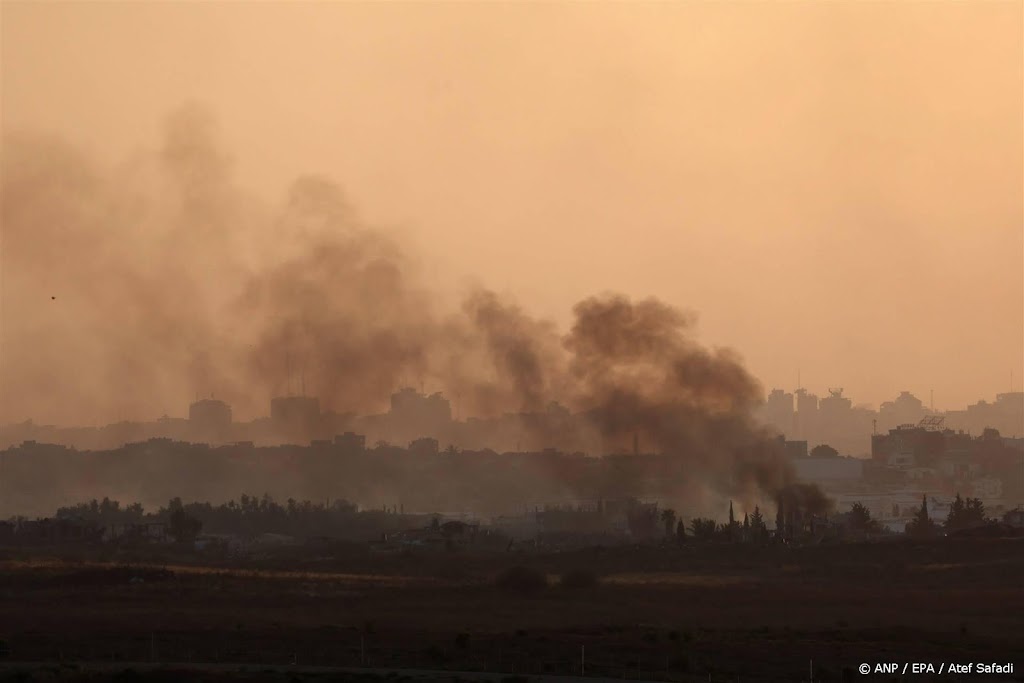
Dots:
{"x": 636, "y": 370}
{"x": 178, "y": 284}
{"x": 113, "y": 276}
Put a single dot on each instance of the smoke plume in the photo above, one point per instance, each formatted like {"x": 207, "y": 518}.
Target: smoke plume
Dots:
{"x": 127, "y": 291}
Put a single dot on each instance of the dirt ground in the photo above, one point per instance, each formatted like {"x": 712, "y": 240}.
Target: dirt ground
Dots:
{"x": 719, "y": 613}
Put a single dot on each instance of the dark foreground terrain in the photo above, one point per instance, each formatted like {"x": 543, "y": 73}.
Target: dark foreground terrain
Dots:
{"x": 718, "y": 613}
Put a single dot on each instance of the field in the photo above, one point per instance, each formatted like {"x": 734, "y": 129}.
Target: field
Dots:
{"x": 719, "y": 613}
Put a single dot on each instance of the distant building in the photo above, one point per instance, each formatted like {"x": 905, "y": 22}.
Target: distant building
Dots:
{"x": 795, "y": 449}
{"x": 1005, "y": 415}
{"x": 909, "y": 444}
{"x": 778, "y": 411}
{"x": 410, "y": 406}
{"x": 905, "y": 409}
{"x": 806, "y": 416}
{"x": 894, "y": 509}
{"x": 209, "y": 420}
{"x": 295, "y": 418}
{"x": 350, "y": 443}
{"x": 829, "y": 471}
{"x": 989, "y": 489}
{"x": 414, "y": 415}
{"x": 842, "y": 425}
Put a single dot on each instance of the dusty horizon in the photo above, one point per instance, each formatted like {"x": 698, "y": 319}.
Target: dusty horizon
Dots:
{"x": 832, "y": 190}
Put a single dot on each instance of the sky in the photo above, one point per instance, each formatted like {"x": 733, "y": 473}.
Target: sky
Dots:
{"x": 835, "y": 189}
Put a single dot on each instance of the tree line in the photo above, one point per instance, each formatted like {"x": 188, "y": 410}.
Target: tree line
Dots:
{"x": 753, "y": 528}
{"x": 964, "y": 513}
{"x": 249, "y": 515}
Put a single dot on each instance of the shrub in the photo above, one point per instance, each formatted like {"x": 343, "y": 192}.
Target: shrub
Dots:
{"x": 522, "y": 580}
{"x": 579, "y": 578}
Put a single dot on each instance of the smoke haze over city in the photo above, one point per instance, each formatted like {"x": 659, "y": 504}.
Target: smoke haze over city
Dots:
{"x": 835, "y": 195}
{"x": 512, "y": 341}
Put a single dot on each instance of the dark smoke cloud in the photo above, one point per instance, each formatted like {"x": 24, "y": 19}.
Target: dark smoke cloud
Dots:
{"x": 171, "y": 282}
{"x": 638, "y": 373}
{"x": 523, "y": 352}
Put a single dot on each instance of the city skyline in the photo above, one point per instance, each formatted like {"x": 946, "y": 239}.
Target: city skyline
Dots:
{"x": 852, "y": 214}
{"x": 511, "y": 342}
{"x": 182, "y": 409}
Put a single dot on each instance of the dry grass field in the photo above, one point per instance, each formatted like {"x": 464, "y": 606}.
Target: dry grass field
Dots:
{"x": 720, "y": 613}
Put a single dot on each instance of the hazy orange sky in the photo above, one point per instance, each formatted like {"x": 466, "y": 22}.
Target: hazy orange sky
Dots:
{"x": 834, "y": 187}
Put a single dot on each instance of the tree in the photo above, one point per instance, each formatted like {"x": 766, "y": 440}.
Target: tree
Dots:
{"x": 780, "y": 521}
{"x": 974, "y": 511}
{"x": 824, "y": 451}
{"x": 758, "y": 528}
{"x": 668, "y": 518}
{"x": 703, "y": 528}
{"x": 680, "y": 532}
{"x": 956, "y": 513}
{"x": 964, "y": 514}
{"x": 860, "y": 518}
{"x": 921, "y": 524}
{"x": 732, "y": 529}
